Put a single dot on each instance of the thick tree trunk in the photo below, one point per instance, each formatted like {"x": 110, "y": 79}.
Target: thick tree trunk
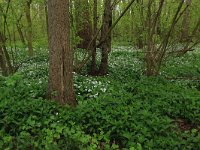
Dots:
{"x": 106, "y": 44}
{"x": 29, "y": 22}
{"x": 60, "y": 86}
{"x": 152, "y": 64}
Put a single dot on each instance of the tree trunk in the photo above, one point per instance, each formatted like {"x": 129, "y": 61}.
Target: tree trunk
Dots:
{"x": 46, "y": 16}
{"x": 106, "y": 44}
{"x": 21, "y": 35}
{"x": 29, "y": 22}
{"x": 83, "y": 22}
{"x": 19, "y": 26}
{"x": 60, "y": 86}
{"x": 186, "y": 22}
{"x": 93, "y": 69}
{"x": 155, "y": 54}
{"x": 5, "y": 62}
{"x": 152, "y": 63}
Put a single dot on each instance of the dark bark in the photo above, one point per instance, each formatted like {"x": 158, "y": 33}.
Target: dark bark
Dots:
{"x": 86, "y": 59}
{"x": 155, "y": 55}
{"x": 21, "y": 35}
{"x": 186, "y": 21}
{"x": 106, "y": 44}
{"x": 46, "y": 15}
{"x": 19, "y": 29}
{"x": 3, "y": 65}
{"x": 93, "y": 69}
{"x": 29, "y": 31}
{"x": 5, "y": 62}
{"x": 152, "y": 61}
{"x": 83, "y": 23}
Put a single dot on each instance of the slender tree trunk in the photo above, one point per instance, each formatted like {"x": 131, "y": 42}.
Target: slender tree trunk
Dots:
{"x": 19, "y": 26}
{"x": 3, "y": 65}
{"x": 21, "y": 35}
{"x": 5, "y": 62}
{"x": 186, "y": 22}
{"x": 152, "y": 60}
{"x": 46, "y": 15}
{"x": 93, "y": 69}
{"x": 132, "y": 36}
{"x": 105, "y": 36}
{"x": 29, "y": 22}
{"x": 106, "y": 45}
{"x": 60, "y": 86}
{"x": 155, "y": 55}
{"x": 140, "y": 29}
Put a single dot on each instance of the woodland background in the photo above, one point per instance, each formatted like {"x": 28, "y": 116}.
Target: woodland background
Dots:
{"x": 120, "y": 74}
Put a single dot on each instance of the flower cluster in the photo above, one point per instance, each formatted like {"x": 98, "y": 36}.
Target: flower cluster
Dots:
{"x": 89, "y": 87}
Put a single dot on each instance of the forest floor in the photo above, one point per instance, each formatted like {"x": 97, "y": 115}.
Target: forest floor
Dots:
{"x": 123, "y": 110}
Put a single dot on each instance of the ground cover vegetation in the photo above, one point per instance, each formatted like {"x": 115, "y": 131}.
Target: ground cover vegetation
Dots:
{"x": 95, "y": 75}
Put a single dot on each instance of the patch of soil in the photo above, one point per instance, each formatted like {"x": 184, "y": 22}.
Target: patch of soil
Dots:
{"x": 185, "y": 125}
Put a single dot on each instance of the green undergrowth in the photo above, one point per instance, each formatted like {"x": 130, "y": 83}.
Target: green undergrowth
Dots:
{"x": 124, "y": 110}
